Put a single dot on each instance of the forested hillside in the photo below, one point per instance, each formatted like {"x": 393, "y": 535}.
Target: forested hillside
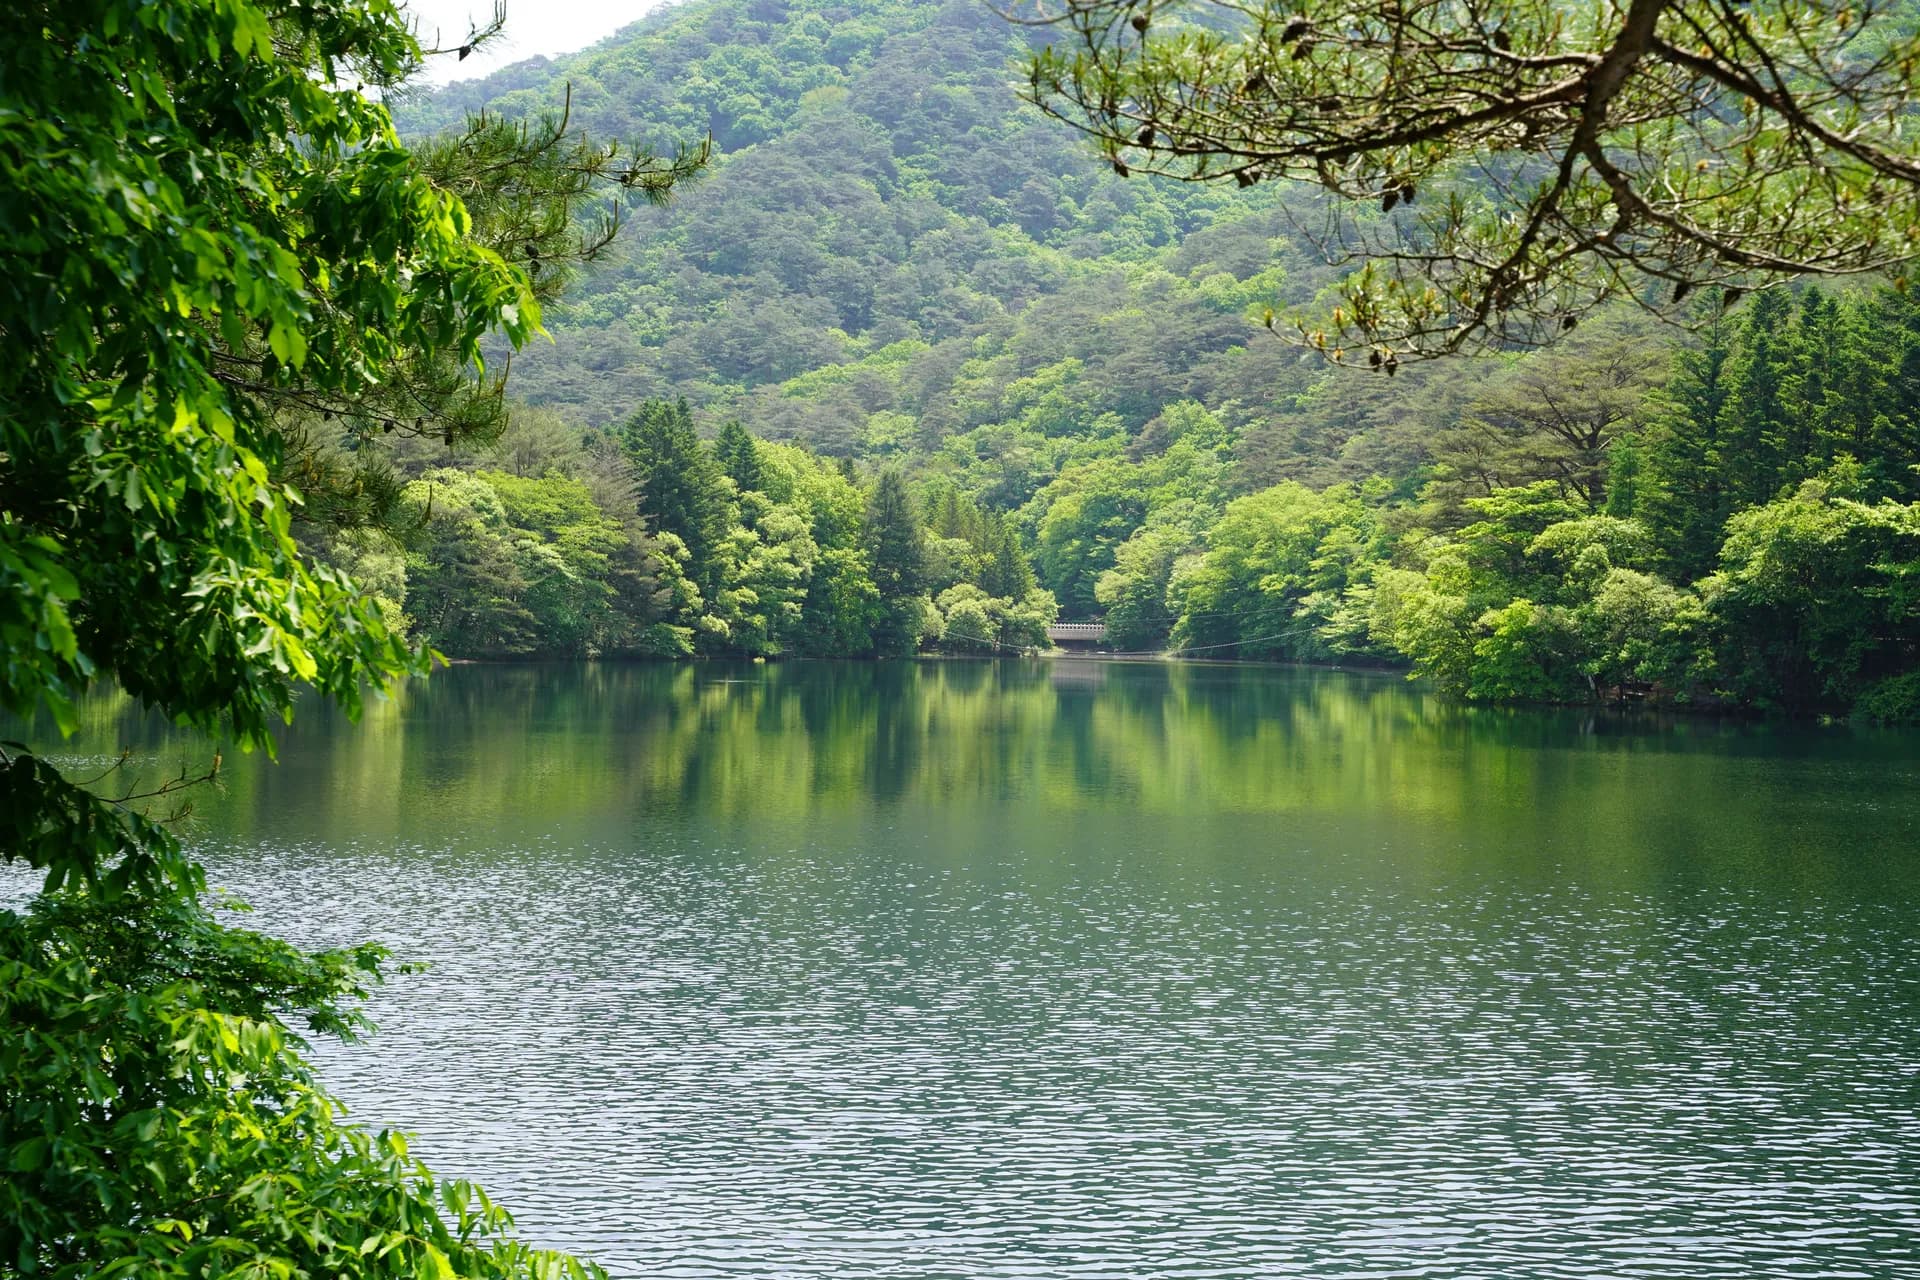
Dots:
{"x": 882, "y": 206}
{"x": 897, "y": 268}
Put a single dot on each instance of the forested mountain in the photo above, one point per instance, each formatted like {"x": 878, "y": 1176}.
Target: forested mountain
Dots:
{"x": 896, "y": 267}
{"x": 883, "y": 208}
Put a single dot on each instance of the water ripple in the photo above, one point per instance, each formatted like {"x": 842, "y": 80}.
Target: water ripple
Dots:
{"x": 695, "y": 1062}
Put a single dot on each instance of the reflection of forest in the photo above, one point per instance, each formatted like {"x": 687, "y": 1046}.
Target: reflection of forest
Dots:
{"x": 551, "y": 751}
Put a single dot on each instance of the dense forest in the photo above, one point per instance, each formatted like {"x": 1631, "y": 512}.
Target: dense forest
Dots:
{"x": 909, "y": 368}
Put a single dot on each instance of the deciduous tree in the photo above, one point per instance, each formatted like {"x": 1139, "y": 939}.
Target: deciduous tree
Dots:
{"x": 200, "y": 214}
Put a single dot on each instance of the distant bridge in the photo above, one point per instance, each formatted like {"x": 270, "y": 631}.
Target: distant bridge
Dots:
{"x": 1078, "y": 633}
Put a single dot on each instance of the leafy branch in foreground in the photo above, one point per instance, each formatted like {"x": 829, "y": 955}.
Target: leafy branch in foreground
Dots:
{"x": 201, "y": 217}
{"x": 1530, "y": 160}
{"x": 159, "y": 1120}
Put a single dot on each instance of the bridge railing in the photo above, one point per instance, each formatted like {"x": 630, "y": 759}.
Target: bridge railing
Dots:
{"x": 1085, "y": 632}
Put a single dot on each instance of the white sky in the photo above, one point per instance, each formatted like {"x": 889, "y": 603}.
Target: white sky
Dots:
{"x": 534, "y": 27}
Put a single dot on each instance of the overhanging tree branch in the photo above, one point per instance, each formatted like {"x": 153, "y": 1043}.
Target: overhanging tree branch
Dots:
{"x": 1574, "y": 154}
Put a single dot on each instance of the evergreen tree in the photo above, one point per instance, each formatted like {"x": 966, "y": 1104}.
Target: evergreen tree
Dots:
{"x": 1626, "y": 472}
{"x": 1753, "y": 434}
{"x": 1812, "y": 433}
{"x": 896, "y": 546}
{"x": 681, "y": 487}
{"x": 1859, "y": 368}
{"x": 950, "y": 518}
{"x": 739, "y": 456}
{"x": 1888, "y": 429}
{"x": 1006, "y": 572}
{"x": 1683, "y": 500}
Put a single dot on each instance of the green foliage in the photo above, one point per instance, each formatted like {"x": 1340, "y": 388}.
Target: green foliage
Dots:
{"x": 880, "y": 206}
{"x": 1638, "y": 631}
{"x": 158, "y": 1119}
{"x": 1564, "y": 614}
{"x": 1275, "y": 565}
{"x": 896, "y": 548}
{"x": 895, "y": 269}
{"x": 1894, "y": 700}
{"x": 200, "y": 222}
{"x": 505, "y": 566}
{"x": 537, "y": 192}
{"x": 468, "y": 585}
{"x": 769, "y": 565}
{"x": 1555, "y": 416}
{"x": 1429, "y": 619}
{"x": 806, "y": 563}
{"x": 1134, "y": 592}
{"x": 149, "y": 234}
{"x": 1815, "y": 597}
{"x": 738, "y": 456}
{"x": 682, "y": 489}
{"x": 841, "y": 608}
{"x": 1782, "y": 394}
{"x": 1089, "y": 510}
{"x": 1518, "y": 654}
{"x": 971, "y": 621}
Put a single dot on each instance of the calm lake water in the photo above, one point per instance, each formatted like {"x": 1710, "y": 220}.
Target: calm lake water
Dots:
{"x": 1132, "y": 971}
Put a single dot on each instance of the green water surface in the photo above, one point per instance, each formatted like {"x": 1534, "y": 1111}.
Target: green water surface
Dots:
{"x": 1076, "y": 969}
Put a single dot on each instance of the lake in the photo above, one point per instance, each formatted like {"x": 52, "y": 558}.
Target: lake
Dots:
{"x": 1081, "y": 969}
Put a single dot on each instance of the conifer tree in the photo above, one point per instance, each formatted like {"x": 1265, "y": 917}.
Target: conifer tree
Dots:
{"x": 1753, "y": 436}
{"x": 1625, "y": 476}
{"x": 896, "y": 546}
{"x": 739, "y": 456}
{"x": 949, "y": 520}
{"x": 1684, "y": 502}
{"x": 1006, "y": 572}
{"x": 1811, "y": 434}
{"x": 1889, "y": 440}
{"x": 682, "y": 491}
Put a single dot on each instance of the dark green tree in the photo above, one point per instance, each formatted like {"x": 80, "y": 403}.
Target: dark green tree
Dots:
{"x": 1685, "y": 501}
{"x": 1812, "y": 603}
{"x": 1754, "y": 431}
{"x": 1887, "y": 430}
{"x": 896, "y": 550}
{"x": 467, "y": 593}
{"x": 953, "y": 516}
{"x": 1005, "y": 572}
{"x": 738, "y": 456}
{"x": 1813, "y": 431}
{"x": 681, "y": 487}
{"x": 1555, "y": 415}
{"x": 1626, "y": 467}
